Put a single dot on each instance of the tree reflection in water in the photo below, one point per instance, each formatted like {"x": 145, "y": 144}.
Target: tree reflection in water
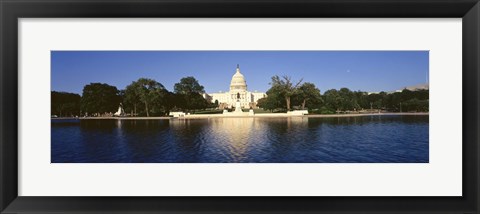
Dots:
{"x": 368, "y": 139}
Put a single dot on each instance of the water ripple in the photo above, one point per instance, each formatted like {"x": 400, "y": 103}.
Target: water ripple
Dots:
{"x": 371, "y": 139}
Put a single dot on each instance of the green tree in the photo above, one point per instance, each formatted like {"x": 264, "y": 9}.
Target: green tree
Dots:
{"x": 188, "y": 85}
{"x": 270, "y": 102}
{"x": 332, "y": 99}
{"x": 150, "y": 93}
{"x": 376, "y": 101}
{"x": 170, "y": 103}
{"x": 406, "y": 100}
{"x": 286, "y": 87}
{"x": 188, "y": 94}
{"x": 99, "y": 98}
{"x": 393, "y": 101}
{"x": 406, "y": 95}
{"x": 361, "y": 99}
{"x": 65, "y": 104}
{"x": 414, "y": 101}
{"x": 262, "y": 103}
{"x": 131, "y": 99}
{"x": 347, "y": 101}
{"x": 308, "y": 94}
{"x": 196, "y": 101}
{"x": 422, "y": 94}
{"x": 179, "y": 101}
{"x": 275, "y": 98}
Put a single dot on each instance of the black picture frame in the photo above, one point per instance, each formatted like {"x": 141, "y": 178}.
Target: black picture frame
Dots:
{"x": 12, "y": 10}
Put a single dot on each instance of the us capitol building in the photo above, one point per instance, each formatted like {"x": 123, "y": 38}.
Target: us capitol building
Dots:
{"x": 238, "y": 92}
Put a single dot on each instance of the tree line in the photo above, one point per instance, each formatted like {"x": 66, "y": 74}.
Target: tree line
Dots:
{"x": 286, "y": 94}
{"x": 147, "y": 97}
{"x": 144, "y": 97}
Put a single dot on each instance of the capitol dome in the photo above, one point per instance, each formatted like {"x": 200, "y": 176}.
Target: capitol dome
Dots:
{"x": 238, "y": 82}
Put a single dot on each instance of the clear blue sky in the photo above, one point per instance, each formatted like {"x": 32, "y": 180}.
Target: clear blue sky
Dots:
{"x": 370, "y": 71}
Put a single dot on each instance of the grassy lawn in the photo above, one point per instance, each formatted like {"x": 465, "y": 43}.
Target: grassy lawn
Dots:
{"x": 260, "y": 110}
{"x": 209, "y": 112}
{"x": 220, "y": 111}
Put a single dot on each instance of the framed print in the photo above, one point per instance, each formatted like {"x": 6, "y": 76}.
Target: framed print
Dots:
{"x": 226, "y": 106}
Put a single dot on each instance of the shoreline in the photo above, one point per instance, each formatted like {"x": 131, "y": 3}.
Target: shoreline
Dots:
{"x": 260, "y": 115}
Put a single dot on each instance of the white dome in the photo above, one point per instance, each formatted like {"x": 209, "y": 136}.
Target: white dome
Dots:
{"x": 238, "y": 82}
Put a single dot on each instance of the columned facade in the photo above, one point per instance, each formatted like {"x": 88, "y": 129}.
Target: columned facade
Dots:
{"x": 238, "y": 92}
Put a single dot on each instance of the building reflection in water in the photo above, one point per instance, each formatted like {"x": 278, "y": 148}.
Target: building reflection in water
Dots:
{"x": 234, "y": 135}
{"x": 369, "y": 139}
{"x": 235, "y": 139}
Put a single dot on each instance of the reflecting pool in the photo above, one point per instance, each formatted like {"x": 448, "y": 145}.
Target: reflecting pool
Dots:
{"x": 365, "y": 139}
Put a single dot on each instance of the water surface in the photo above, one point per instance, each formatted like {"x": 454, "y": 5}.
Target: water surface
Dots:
{"x": 366, "y": 139}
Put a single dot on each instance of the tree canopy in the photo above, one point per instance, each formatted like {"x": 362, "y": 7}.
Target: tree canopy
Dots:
{"x": 65, "y": 104}
{"x": 188, "y": 85}
{"x": 309, "y": 95}
{"x": 285, "y": 87}
{"x": 149, "y": 97}
{"x": 188, "y": 94}
{"x": 149, "y": 94}
{"x": 284, "y": 92}
{"x": 99, "y": 98}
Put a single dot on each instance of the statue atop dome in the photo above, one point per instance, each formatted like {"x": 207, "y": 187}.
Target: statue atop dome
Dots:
{"x": 238, "y": 82}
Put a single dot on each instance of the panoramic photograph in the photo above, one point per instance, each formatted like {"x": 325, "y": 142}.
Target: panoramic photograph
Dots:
{"x": 240, "y": 106}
